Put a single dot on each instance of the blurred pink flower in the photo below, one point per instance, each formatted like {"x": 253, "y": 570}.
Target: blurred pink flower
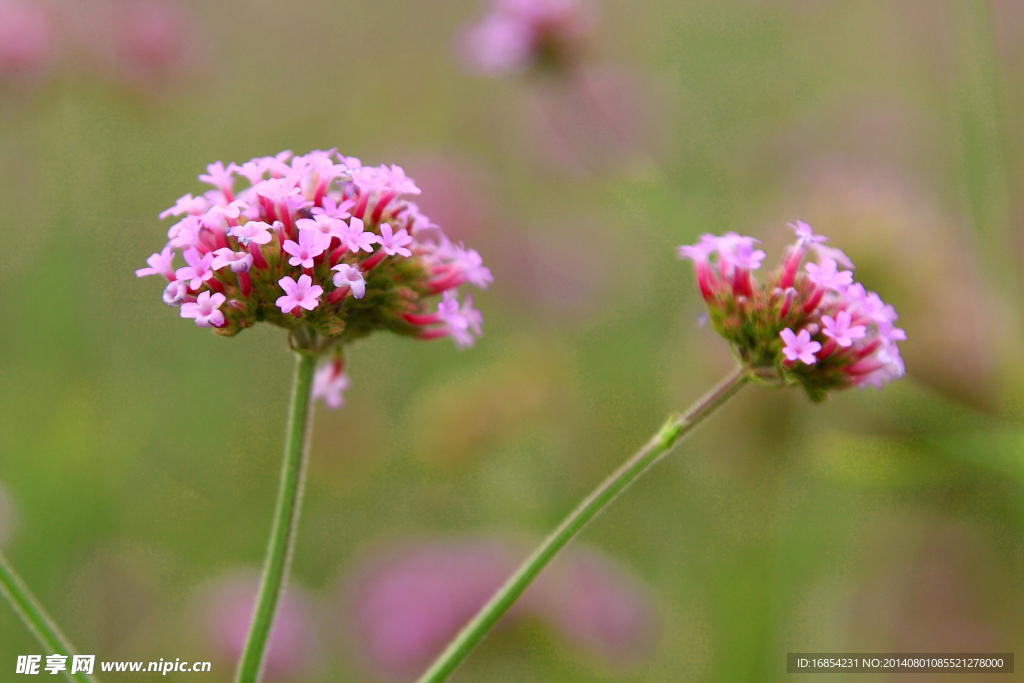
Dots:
{"x": 597, "y": 606}
{"x": 517, "y": 35}
{"x": 293, "y": 638}
{"x": 149, "y": 45}
{"x": 28, "y": 40}
{"x": 410, "y": 604}
{"x": 329, "y": 384}
{"x": 151, "y": 39}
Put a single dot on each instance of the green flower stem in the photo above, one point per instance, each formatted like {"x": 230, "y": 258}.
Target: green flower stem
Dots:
{"x": 37, "y": 620}
{"x": 286, "y": 517}
{"x": 660, "y": 445}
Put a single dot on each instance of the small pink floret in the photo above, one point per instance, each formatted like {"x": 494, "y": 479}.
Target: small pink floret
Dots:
{"x": 310, "y": 246}
{"x": 700, "y": 252}
{"x": 743, "y": 255}
{"x": 462, "y": 322}
{"x": 253, "y": 231}
{"x": 805, "y": 235}
{"x": 839, "y": 329}
{"x": 159, "y": 264}
{"x": 198, "y": 270}
{"x": 204, "y": 310}
{"x": 186, "y": 204}
{"x": 332, "y": 210}
{"x": 828, "y": 275}
{"x": 218, "y": 176}
{"x": 394, "y": 243}
{"x": 328, "y": 384}
{"x": 299, "y": 294}
{"x": 355, "y": 238}
{"x": 324, "y": 226}
{"x": 239, "y": 262}
{"x": 799, "y": 346}
{"x": 348, "y": 276}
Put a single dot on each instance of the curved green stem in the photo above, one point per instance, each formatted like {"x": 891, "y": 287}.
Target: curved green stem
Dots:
{"x": 37, "y": 620}
{"x": 660, "y": 445}
{"x": 286, "y": 517}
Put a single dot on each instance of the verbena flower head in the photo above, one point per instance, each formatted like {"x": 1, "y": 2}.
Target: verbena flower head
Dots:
{"x": 320, "y": 245}
{"x": 809, "y": 323}
{"x": 517, "y": 35}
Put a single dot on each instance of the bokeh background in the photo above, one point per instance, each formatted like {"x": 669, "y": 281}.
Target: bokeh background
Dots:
{"x": 139, "y": 454}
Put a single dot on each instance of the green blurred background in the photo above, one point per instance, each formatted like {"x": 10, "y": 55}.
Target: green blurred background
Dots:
{"x": 139, "y": 454}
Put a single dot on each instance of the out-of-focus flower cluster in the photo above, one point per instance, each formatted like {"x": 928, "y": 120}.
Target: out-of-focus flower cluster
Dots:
{"x": 409, "y": 605}
{"x": 145, "y": 44}
{"x": 810, "y": 325}
{"x": 518, "y": 35}
{"x": 320, "y": 245}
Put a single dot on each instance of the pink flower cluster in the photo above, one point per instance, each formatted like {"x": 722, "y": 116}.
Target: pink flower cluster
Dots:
{"x": 811, "y": 325}
{"x": 517, "y": 35}
{"x": 321, "y": 245}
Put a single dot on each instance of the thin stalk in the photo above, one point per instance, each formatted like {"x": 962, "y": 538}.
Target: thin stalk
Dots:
{"x": 286, "y": 517}
{"x": 37, "y": 620}
{"x": 660, "y": 445}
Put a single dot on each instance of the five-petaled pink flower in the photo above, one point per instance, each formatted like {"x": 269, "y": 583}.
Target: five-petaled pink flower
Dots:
{"x": 221, "y": 178}
{"x": 805, "y": 234}
{"x": 799, "y": 346}
{"x": 828, "y": 276}
{"x": 253, "y": 231}
{"x": 309, "y": 247}
{"x": 743, "y": 255}
{"x": 186, "y": 204}
{"x": 837, "y": 255}
{"x": 840, "y": 330}
{"x": 462, "y": 322}
{"x": 473, "y": 268}
{"x": 355, "y": 238}
{"x": 332, "y": 210}
{"x": 394, "y": 243}
{"x": 204, "y": 310}
{"x": 198, "y": 270}
{"x": 239, "y": 262}
{"x": 159, "y": 264}
{"x": 302, "y": 293}
{"x": 325, "y": 225}
{"x": 277, "y": 189}
{"x": 328, "y": 383}
{"x": 349, "y": 276}
{"x": 700, "y": 252}
{"x": 399, "y": 182}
